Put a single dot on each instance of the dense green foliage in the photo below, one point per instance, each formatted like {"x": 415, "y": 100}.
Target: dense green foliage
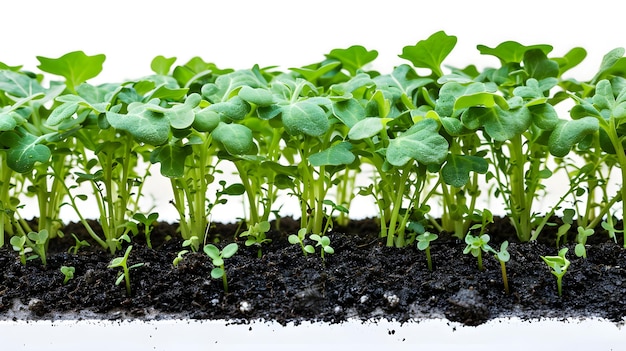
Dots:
{"x": 448, "y": 137}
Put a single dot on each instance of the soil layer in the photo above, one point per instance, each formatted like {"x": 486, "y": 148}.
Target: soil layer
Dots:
{"x": 363, "y": 279}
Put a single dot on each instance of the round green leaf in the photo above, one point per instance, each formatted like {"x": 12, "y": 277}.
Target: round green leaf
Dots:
{"x": 305, "y": 118}
{"x": 236, "y": 138}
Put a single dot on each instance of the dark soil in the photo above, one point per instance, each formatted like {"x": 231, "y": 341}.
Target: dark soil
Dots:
{"x": 363, "y": 279}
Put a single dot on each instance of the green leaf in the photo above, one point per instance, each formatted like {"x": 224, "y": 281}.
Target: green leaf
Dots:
{"x": 608, "y": 61}
{"x": 431, "y": 52}
{"x": 421, "y": 142}
{"x": 349, "y": 112}
{"x": 538, "y": 66}
{"x": 229, "y": 250}
{"x": 338, "y": 154}
{"x": 18, "y": 84}
{"x": 236, "y": 138}
{"x": 483, "y": 99}
{"x": 205, "y": 120}
{"x": 511, "y": 51}
{"x": 456, "y": 171}
{"x": 257, "y": 96}
{"x": 234, "y": 109}
{"x": 161, "y": 65}
{"x": 8, "y": 121}
{"x": 353, "y": 58}
{"x": 217, "y": 273}
{"x": 24, "y": 151}
{"x": 172, "y": 159}
{"x": 573, "y": 57}
{"x": 143, "y": 124}
{"x": 76, "y": 67}
{"x": 500, "y": 124}
{"x": 569, "y": 133}
{"x": 305, "y": 117}
{"x": 313, "y": 74}
{"x": 366, "y": 128}
{"x": 212, "y": 251}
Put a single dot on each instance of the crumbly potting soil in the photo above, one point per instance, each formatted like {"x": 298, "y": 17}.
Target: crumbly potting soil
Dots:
{"x": 363, "y": 279}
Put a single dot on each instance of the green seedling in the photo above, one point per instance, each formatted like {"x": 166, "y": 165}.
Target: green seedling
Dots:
{"x": 256, "y": 235}
{"x": 299, "y": 240}
{"x": 503, "y": 257}
{"x": 322, "y": 241}
{"x": 609, "y": 226}
{"x": 423, "y": 244}
{"x": 179, "y": 257}
{"x": 476, "y": 245}
{"x": 193, "y": 242}
{"x": 581, "y": 238}
{"x": 39, "y": 241}
{"x": 78, "y": 244}
{"x": 68, "y": 272}
{"x": 19, "y": 244}
{"x": 559, "y": 265}
{"x": 148, "y": 224}
{"x": 125, "y": 273}
{"x": 217, "y": 258}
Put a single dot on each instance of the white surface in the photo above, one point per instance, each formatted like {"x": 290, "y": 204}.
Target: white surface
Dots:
{"x": 510, "y": 335}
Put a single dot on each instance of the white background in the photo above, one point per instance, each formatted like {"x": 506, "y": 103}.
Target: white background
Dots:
{"x": 239, "y": 34}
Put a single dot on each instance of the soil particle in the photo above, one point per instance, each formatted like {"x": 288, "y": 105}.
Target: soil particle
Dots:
{"x": 363, "y": 279}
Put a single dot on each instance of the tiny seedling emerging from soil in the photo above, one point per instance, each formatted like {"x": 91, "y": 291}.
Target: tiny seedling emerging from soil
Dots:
{"x": 19, "y": 244}
{"x": 322, "y": 241}
{"x": 148, "y": 224}
{"x": 559, "y": 265}
{"x": 423, "y": 244}
{"x": 217, "y": 258}
{"x": 581, "y": 238}
{"x": 68, "y": 272}
{"x": 503, "y": 257}
{"x": 179, "y": 257}
{"x": 256, "y": 235}
{"x": 79, "y": 243}
{"x": 125, "y": 273}
{"x": 299, "y": 240}
{"x": 476, "y": 245}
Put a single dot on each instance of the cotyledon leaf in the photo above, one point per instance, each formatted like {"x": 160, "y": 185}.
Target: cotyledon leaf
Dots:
{"x": 338, "y": 154}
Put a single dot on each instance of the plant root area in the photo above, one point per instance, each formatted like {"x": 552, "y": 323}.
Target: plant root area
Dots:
{"x": 363, "y": 279}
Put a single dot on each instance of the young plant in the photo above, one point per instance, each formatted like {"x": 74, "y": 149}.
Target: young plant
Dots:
{"x": 503, "y": 257}
{"x": 217, "y": 258}
{"x": 476, "y": 245}
{"x": 324, "y": 242}
{"x": 558, "y": 265}
{"x": 38, "y": 241}
{"x": 78, "y": 244}
{"x": 423, "y": 244}
{"x": 148, "y": 224}
{"x": 179, "y": 257}
{"x": 122, "y": 262}
{"x": 298, "y": 239}
{"x": 256, "y": 235}
{"x": 581, "y": 238}
{"x": 18, "y": 242}
{"x": 68, "y": 273}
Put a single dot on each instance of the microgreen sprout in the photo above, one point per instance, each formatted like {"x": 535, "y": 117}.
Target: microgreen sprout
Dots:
{"x": 39, "y": 243}
{"x": 179, "y": 257}
{"x": 299, "y": 240}
{"x": 581, "y": 238}
{"x": 18, "y": 242}
{"x": 503, "y": 256}
{"x": 125, "y": 273}
{"x": 148, "y": 224}
{"x": 324, "y": 242}
{"x": 559, "y": 265}
{"x": 423, "y": 244}
{"x": 256, "y": 235}
{"x": 193, "y": 242}
{"x": 78, "y": 244}
{"x": 476, "y": 245}
{"x": 68, "y": 272}
{"x": 217, "y": 258}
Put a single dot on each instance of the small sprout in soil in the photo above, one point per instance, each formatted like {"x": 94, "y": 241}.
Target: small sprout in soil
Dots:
{"x": 609, "y": 226}
{"x": 68, "y": 272}
{"x": 423, "y": 244}
{"x": 38, "y": 243}
{"x": 559, "y": 265}
{"x": 581, "y": 238}
{"x": 256, "y": 235}
{"x": 218, "y": 257}
{"x": 148, "y": 223}
{"x": 322, "y": 241}
{"x": 476, "y": 245}
{"x": 79, "y": 243}
{"x": 19, "y": 244}
{"x": 123, "y": 263}
{"x": 503, "y": 257}
{"x": 179, "y": 257}
{"x": 299, "y": 239}
{"x": 193, "y": 243}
